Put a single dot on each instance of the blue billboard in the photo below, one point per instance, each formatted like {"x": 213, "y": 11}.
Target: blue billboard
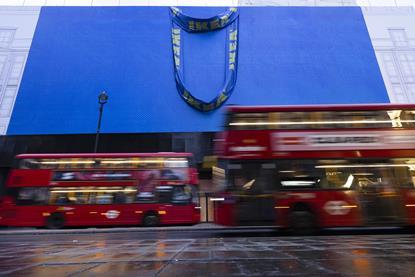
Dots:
{"x": 286, "y": 55}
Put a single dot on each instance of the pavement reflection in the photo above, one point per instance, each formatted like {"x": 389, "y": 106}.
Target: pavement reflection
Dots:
{"x": 129, "y": 255}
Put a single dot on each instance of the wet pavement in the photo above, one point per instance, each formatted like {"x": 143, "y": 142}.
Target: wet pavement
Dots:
{"x": 195, "y": 254}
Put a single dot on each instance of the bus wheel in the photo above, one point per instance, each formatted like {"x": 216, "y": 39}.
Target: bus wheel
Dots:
{"x": 151, "y": 220}
{"x": 302, "y": 223}
{"x": 55, "y": 221}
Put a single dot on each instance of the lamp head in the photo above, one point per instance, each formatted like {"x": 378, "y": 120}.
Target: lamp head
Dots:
{"x": 103, "y": 97}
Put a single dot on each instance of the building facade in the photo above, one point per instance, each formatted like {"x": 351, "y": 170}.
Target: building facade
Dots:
{"x": 56, "y": 56}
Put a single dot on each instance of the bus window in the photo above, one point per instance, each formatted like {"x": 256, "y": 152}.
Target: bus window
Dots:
{"x": 251, "y": 178}
{"x": 104, "y": 197}
{"x": 404, "y": 172}
{"x": 299, "y": 174}
{"x": 361, "y": 175}
{"x": 62, "y": 198}
{"x": 338, "y": 178}
{"x": 408, "y": 118}
{"x": 28, "y": 164}
{"x": 274, "y": 118}
{"x": 119, "y": 197}
{"x": 316, "y": 118}
{"x": 81, "y": 197}
{"x": 248, "y": 121}
{"x": 292, "y": 183}
{"x": 164, "y": 194}
{"x": 173, "y": 174}
{"x": 292, "y": 120}
{"x": 130, "y": 194}
{"x": 193, "y": 192}
{"x": 148, "y": 182}
{"x": 32, "y": 196}
{"x": 361, "y": 119}
{"x": 181, "y": 195}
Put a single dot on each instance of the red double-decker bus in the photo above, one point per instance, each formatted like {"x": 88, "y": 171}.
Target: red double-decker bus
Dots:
{"x": 59, "y": 190}
{"x": 305, "y": 167}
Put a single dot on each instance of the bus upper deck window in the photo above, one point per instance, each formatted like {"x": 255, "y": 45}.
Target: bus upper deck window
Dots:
{"x": 407, "y": 119}
{"x": 248, "y": 121}
{"x": 28, "y": 164}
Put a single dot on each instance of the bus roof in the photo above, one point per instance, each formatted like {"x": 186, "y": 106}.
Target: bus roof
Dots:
{"x": 102, "y": 155}
{"x": 335, "y": 107}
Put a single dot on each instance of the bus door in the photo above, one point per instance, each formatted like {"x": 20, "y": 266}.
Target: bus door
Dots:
{"x": 30, "y": 205}
{"x": 182, "y": 203}
{"x": 255, "y": 204}
{"x": 175, "y": 203}
{"x": 379, "y": 197}
{"x": 256, "y": 209}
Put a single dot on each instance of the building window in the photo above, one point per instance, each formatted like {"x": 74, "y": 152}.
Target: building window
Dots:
{"x": 6, "y": 37}
{"x": 411, "y": 90}
{"x": 16, "y": 69}
{"x": 398, "y": 36}
{"x": 390, "y": 67}
{"x": 9, "y": 81}
{"x": 407, "y": 63}
{"x": 3, "y": 59}
{"x": 7, "y": 102}
{"x": 399, "y": 94}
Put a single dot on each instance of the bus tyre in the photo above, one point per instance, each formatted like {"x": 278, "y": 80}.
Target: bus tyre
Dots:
{"x": 302, "y": 223}
{"x": 151, "y": 220}
{"x": 55, "y": 221}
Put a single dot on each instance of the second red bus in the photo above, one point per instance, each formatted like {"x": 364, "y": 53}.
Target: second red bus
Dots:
{"x": 59, "y": 190}
{"x": 309, "y": 167}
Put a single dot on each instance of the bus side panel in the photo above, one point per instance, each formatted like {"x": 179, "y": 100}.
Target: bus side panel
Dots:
{"x": 80, "y": 215}
{"x": 408, "y": 196}
{"x": 330, "y": 208}
{"x": 224, "y": 213}
{"x": 340, "y": 209}
{"x": 34, "y": 216}
{"x": 177, "y": 214}
{"x": 102, "y": 215}
{"x": 29, "y": 177}
{"x": 37, "y": 216}
{"x": 113, "y": 214}
{"x": 98, "y": 215}
{"x": 133, "y": 214}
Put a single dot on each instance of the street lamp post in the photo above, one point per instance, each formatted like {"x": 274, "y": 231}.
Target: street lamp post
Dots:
{"x": 102, "y": 99}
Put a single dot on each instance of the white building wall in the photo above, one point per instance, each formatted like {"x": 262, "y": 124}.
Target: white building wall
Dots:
{"x": 206, "y": 2}
{"x": 392, "y": 31}
{"x": 17, "y": 26}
